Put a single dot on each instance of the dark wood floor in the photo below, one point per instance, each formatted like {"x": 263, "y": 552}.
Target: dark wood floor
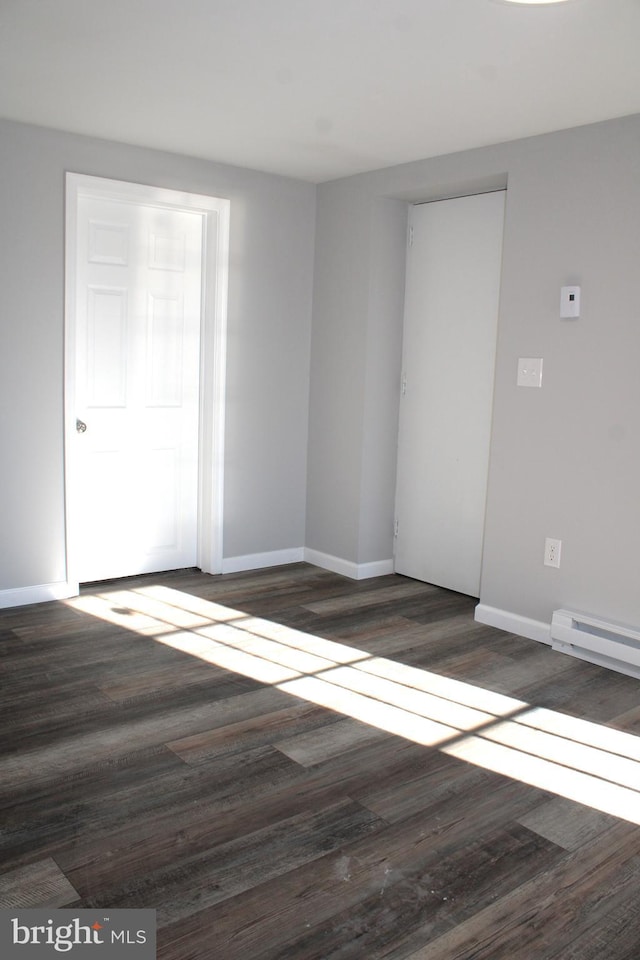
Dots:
{"x": 263, "y": 825}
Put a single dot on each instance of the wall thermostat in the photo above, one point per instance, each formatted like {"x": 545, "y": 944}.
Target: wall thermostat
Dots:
{"x": 569, "y": 302}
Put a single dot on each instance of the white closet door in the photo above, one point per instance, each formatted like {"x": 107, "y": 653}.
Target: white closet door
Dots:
{"x": 451, "y": 310}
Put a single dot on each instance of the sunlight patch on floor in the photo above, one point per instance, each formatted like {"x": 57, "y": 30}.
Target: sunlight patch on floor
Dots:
{"x": 577, "y": 759}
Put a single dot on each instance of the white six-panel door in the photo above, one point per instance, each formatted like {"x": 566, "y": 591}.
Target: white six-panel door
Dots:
{"x": 137, "y": 357}
{"x": 451, "y": 310}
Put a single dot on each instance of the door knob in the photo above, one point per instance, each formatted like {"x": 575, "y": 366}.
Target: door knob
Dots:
{"x": 80, "y": 426}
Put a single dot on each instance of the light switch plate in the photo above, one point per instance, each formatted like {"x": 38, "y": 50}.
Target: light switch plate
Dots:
{"x": 530, "y": 372}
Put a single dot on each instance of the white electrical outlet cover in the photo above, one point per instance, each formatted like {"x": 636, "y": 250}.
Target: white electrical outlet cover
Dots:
{"x": 552, "y": 551}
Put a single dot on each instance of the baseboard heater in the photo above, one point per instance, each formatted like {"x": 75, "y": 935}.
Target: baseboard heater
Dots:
{"x": 608, "y": 644}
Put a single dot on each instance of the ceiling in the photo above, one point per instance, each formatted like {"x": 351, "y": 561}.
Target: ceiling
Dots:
{"x": 317, "y": 89}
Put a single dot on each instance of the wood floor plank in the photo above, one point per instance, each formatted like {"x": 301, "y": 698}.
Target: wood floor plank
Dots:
{"x": 542, "y": 916}
{"x": 585, "y": 690}
{"x": 75, "y": 751}
{"x": 78, "y": 709}
{"x": 566, "y": 823}
{"x": 370, "y": 597}
{"x": 195, "y": 883}
{"x": 291, "y": 722}
{"x": 438, "y": 643}
{"x": 439, "y": 778}
{"x": 615, "y": 933}
{"x": 516, "y": 675}
{"x": 422, "y": 899}
{"x": 628, "y": 720}
{"x": 68, "y": 809}
{"x": 149, "y": 681}
{"x": 40, "y": 884}
{"x": 317, "y": 746}
{"x": 162, "y": 838}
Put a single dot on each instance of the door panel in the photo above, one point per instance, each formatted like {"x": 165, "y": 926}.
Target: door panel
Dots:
{"x": 451, "y": 309}
{"x": 138, "y": 311}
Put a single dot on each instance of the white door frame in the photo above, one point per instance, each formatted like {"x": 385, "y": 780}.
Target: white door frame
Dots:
{"x": 215, "y": 265}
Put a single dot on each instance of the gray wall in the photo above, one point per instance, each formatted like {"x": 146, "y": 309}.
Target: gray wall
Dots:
{"x": 355, "y": 362}
{"x": 270, "y": 289}
{"x": 565, "y": 460}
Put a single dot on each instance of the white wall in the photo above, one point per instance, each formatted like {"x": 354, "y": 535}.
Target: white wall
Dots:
{"x": 565, "y": 460}
{"x": 270, "y": 288}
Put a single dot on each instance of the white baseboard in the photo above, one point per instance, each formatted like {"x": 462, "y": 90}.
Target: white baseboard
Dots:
{"x": 275, "y": 558}
{"x": 514, "y": 623}
{"x": 346, "y": 568}
{"x": 21, "y": 596}
{"x": 256, "y": 561}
